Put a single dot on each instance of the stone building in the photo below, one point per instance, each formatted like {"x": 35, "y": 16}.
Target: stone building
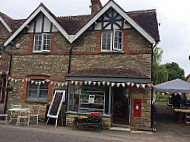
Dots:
{"x": 188, "y": 78}
{"x": 103, "y": 60}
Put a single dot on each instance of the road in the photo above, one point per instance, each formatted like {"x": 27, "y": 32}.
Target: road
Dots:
{"x": 43, "y": 133}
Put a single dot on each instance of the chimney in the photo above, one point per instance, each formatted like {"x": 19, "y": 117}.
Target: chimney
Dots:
{"x": 96, "y": 6}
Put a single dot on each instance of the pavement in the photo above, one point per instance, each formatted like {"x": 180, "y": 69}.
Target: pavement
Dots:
{"x": 169, "y": 130}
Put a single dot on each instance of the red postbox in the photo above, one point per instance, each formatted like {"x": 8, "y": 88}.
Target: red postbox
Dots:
{"x": 137, "y": 108}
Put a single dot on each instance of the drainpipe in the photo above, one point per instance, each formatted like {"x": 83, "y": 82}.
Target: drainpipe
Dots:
{"x": 70, "y": 56}
{"x": 152, "y": 91}
{"x": 9, "y": 74}
{"x": 68, "y": 85}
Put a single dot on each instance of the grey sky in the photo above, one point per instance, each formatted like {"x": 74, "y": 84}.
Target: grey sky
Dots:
{"x": 174, "y": 16}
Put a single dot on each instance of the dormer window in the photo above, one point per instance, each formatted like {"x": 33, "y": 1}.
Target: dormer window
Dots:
{"x": 42, "y": 42}
{"x": 111, "y": 41}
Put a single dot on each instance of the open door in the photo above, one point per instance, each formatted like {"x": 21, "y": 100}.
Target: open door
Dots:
{"x": 121, "y": 106}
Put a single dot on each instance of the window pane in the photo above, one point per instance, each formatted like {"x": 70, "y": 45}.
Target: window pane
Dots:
{"x": 118, "y": 40}
{"x": 44, "y": 86}
{"x": 106, "y": 40}
{"x": 32, "y": 93}
{"x": 43, "y": 93}
{"x": 47, "y": 41}
{"x": 38, "y": 42}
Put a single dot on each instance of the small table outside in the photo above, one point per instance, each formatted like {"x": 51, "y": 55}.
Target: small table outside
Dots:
{"x": 181, "y": 111}
{"x": 16, "y": 111}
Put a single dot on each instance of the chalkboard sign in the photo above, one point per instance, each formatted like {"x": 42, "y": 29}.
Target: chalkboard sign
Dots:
{"x": 55, "y": 106}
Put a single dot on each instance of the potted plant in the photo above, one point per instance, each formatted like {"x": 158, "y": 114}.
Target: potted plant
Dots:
{"x": 94, "y": 117}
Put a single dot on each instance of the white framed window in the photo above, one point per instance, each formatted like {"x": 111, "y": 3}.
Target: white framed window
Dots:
{"x": 42, "y": 42}
{"x": 112, "y": 40}
{"x": 106, "y": 41}
{"x": 117, "y": 40}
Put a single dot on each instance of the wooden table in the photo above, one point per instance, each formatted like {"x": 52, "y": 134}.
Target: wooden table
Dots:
{"x": 182, "y": 110}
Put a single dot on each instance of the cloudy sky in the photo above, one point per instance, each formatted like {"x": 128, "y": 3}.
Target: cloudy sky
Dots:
{"x": 174, "y": 16}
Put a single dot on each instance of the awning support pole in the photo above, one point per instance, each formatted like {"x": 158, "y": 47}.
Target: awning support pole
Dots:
{"x": 110, "y": 96}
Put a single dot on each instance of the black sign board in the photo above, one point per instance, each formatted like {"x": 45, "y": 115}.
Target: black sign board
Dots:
{"x": 55, "y": 106}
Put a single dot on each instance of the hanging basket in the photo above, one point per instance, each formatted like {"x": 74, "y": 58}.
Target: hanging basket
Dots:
{"x": 9, "y": 88}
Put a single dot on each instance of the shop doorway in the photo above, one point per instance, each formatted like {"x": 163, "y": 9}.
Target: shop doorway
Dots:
{"x": 121, "y": 106}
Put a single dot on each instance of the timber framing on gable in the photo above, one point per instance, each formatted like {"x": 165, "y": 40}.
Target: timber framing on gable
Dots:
{"x": 40, "y": 9}
{"x": 111, "y": 16}
{"x": 113, "y": 5}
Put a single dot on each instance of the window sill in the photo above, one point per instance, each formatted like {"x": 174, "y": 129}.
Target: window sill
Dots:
{"x": 41, "y": 52}
{"x": 112, "y": 52}
{"x": 36, "y": 101}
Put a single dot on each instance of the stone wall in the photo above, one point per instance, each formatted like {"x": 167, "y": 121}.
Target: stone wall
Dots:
{"x": 144, "y": 121}
{"x": 26, "y": 64}
{"x": 139, "y": 63}
{"x": 51, "y": 65}
{"x": 18, "y": 96}
{"x": 106, "y": 120}
{"x": 136, "y": 53}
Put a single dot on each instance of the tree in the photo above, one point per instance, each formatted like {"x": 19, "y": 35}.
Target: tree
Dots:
{"x": 174, "y": 71}
{"x": 160, "y": 73}
{"x": 157, "y": 56}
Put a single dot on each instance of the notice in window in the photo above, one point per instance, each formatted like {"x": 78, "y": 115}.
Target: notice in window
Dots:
{"x": 91, "y": 99}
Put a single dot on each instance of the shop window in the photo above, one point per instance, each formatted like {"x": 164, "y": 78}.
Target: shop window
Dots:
{"x": 37, "y": 91}
{"x": 42, "y": 42}
{"x": 111, "y": 40}
{"x": 89, "y": 99}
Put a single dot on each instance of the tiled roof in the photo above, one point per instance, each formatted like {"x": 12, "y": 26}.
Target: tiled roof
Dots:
{"x": 72, "y": 24}
{"x": 12, "y": 23}
{"x": 108, "y": 72}
{"x": 147, "y": 19}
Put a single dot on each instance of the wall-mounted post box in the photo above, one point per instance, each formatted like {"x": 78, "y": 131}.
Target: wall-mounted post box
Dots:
{"x": 137, "y": 108}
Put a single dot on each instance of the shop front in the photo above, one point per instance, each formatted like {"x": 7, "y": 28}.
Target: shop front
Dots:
{"x": 114, "y": 100}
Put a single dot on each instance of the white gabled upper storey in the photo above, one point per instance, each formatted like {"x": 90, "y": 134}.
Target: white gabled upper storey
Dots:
{"x": 112, "y": 4}
{"x": 72, "y": 38}
{"x": 42, "y": 9}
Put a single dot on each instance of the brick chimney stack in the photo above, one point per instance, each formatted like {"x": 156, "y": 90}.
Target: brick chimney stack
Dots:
{"x": 96, "y": 6}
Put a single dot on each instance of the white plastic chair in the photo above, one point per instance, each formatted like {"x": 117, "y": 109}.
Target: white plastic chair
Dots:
{"x": 34, "y": 113}
{"x": 23, "y": 118}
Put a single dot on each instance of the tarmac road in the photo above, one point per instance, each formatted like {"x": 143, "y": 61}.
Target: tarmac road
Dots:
{"x": 44, "y": 133}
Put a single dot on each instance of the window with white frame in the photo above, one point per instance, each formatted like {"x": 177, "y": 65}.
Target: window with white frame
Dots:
{"x": 42, "y": 42}
{"x": 112, "y": 40}
{"x": 37, "y": 91}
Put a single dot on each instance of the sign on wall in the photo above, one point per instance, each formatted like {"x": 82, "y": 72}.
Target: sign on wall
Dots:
{"x": 91, "y": 99}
